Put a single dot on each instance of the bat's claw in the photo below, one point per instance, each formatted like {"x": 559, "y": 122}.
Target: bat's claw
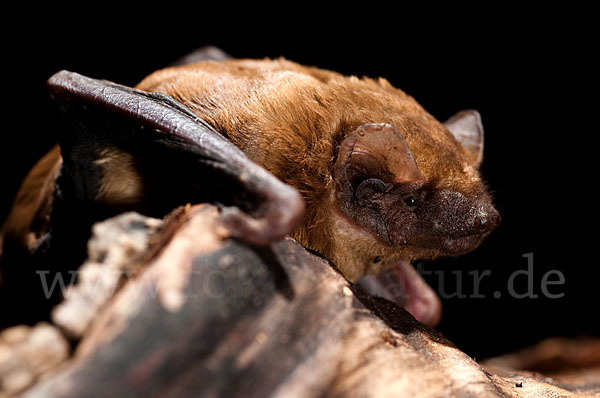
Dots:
{"x": 282, "y": 214}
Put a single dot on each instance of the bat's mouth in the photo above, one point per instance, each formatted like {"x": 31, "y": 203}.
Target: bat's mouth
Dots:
{"x": 403, "y": 285}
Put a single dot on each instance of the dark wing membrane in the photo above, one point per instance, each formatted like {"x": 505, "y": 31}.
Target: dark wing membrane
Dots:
{"x": 131, "y": 149}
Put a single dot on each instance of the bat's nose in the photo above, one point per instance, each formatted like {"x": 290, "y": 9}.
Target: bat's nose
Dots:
{"x": 478, "y": 224}
{"x": 485, "y": 221}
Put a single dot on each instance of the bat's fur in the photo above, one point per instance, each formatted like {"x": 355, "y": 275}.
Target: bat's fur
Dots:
{"x": 33, "y": 201}
{"x": 291, "y": 119}
{"x": 120, "y": 183}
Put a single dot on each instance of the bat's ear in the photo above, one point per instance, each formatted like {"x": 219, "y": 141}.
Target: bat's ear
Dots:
{"x": 207, "y": 53}
{"x": 467, "y": 128}
{"x": 376, "y": 150}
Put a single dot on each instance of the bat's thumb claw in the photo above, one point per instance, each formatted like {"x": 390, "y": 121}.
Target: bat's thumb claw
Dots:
{"x": 278, "y": 220}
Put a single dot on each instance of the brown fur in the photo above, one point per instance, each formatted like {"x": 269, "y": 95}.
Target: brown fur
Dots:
{"x": 30, "y": 212}
{"x": 121, "y": 184}
{"x": 33, "y": 201}
{"x": 290, "y": 119}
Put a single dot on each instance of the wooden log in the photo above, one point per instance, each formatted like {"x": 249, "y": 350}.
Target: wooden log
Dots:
{"x": 209, "y": 316}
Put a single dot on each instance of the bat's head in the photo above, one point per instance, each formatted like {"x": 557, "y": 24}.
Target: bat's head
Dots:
{"x": 416, "y": 195}
{"x": 442, "y": 210}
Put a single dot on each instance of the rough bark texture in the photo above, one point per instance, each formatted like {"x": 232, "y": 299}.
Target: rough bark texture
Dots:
{"x": 214, "y": 317}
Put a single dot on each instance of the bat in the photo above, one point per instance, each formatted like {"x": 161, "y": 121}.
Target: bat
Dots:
{"x": 353, "y": 168}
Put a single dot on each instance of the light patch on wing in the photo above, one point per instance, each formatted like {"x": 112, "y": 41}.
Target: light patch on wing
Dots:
{"x": 121, "y": 183}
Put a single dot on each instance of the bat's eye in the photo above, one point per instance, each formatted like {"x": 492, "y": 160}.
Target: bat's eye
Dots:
{"x": 411, "y": 201}
{"x": 369, "y": 187}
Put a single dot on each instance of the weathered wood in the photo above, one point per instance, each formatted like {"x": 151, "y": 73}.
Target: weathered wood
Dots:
{"x": 573, "y": 364}
{"x": 214, "y": 317}
{"x": 27, "y": 353}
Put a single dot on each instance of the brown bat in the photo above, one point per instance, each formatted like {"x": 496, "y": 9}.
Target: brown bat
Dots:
{"x": 383, "y": 182}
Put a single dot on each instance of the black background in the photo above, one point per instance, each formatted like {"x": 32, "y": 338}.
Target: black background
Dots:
{"x": 526, "y": 72}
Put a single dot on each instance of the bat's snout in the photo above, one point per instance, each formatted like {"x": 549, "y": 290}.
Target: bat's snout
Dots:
{"x": 485, "y": 221}
{"x": 477, "y": 226}
{"x": 460, "y": 224}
